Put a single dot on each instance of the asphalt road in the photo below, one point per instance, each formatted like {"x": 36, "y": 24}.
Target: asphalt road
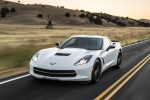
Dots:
{"x": 136, "y": 88}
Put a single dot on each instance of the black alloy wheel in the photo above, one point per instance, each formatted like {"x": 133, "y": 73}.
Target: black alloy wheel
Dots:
{"x": 96, "y": 72}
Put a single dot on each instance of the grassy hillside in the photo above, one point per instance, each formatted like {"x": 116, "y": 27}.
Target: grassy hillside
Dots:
{"x": 27, "y": 14}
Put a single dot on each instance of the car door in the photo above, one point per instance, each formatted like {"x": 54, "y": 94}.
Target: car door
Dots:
{"x": 107, "y": 56}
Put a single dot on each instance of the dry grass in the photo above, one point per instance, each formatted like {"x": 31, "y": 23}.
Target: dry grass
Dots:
{"x": 19, "y": 42}
{"x": 17, "y": 35}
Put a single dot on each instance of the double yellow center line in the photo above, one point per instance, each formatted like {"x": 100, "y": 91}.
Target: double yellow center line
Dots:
{"x": 122, "y": 81}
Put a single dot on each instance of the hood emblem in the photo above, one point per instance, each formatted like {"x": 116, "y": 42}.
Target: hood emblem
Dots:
{"x": 52, "y": 63}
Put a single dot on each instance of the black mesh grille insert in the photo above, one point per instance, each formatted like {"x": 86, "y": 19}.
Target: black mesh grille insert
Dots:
{"x": 62, "y": 54}
{"x": 55, "y": 73}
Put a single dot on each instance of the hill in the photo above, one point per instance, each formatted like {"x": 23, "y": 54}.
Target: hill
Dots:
{"x": 27, "y": 14}
{"x": 145, "y": 20}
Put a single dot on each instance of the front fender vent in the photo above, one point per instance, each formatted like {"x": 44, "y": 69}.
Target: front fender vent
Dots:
{"x": 62, "y": 54}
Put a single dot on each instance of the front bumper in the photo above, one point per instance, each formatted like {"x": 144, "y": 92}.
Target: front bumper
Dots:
{"x": 78, "y": 73}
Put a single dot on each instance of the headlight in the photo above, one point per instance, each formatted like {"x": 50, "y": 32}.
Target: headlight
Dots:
{"x": 35, "y": 57}
{"x": 84, "y": 60}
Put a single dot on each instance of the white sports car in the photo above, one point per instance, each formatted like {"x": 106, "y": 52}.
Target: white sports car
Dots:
{"x": 79, "y": 58}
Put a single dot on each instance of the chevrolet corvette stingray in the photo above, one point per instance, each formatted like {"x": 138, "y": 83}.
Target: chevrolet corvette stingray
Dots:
{"x": 79, "y": 58}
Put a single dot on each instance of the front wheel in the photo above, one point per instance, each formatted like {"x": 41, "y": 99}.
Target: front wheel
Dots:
{"x": 119, "y": 61}
{"x": 96, "y": 72}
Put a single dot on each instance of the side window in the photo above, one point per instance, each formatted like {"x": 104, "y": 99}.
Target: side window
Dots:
{"x": 106, "y": 44}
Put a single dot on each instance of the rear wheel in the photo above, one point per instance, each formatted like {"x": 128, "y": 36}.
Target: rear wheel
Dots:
{"x": 96, "y": 72}
{"x": 119, "y": 61}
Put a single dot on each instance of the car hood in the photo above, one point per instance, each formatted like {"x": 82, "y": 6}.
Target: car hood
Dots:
{"x": 56, "y": 58}
{"x": 65, "y": 54}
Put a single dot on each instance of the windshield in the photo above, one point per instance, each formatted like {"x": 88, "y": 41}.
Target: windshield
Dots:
{"x": 84, "y": 43}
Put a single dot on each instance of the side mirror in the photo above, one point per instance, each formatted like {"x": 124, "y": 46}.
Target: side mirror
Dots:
{"x": 110, "y": 47}
{"x": 57, "y": 44}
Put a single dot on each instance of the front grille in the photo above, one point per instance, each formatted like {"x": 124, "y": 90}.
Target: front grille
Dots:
{"x": 54, "y": 73}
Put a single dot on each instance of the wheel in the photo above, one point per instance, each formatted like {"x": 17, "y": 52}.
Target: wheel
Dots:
{"x": 119, "y": 61}
{"x": 96, "y": 72}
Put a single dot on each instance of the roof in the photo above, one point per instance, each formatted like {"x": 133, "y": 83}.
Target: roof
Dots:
{"x": 89, "y": 36}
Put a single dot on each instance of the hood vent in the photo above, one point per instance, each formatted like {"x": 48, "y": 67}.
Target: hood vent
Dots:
{"x": 62, "y": 54}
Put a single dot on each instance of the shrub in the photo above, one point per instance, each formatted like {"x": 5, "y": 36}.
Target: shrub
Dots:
{"x": 67, "y": 14}
{"x": 62, "y": 7}
{"x": 43, "y": 6}
{"x": 121, "y": 24}
{"x": 90, "y": 19}
{"x": 110, "y": 15}
{"x": 40, "y": 16}
{"x": 82, "y": 15}
{"x": 132, "y": 23}
{"x": 13, "y": 10}
{"x": 95, "y": 19}
{"x": 3, "y": 12}
{"x": 87, "y": 14}
{"x": 98, "y": 21}
{"x": 144, "y": 24}
{"x": 82, "y": 11}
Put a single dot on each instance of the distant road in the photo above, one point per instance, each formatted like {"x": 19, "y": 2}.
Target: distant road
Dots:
{"x": 131, "y": 82}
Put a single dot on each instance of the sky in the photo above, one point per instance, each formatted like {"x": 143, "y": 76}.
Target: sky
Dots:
{"x": 136, "y": 9}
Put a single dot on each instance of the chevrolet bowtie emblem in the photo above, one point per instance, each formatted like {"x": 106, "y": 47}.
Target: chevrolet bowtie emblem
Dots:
{"x": 52, "y": 63}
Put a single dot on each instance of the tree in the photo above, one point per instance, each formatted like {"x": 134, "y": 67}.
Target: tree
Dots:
{"x": 90, "y": 19}
{"x": 82, "y": 11}
{"x": 13, "y": 10}
{"x": 67, "y": 14}
{"x": 98, "y": 20}
{"x": 40, "y": 16}
{"x": 82, "y": 15}
{"x": 3, "y": 12}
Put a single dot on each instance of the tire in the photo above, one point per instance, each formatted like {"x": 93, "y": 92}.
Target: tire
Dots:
{"x": 119, "y": 61}
{"x": 96, "y": 72}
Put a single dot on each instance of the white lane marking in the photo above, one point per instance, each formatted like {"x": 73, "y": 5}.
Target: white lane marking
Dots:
{"x": 135, "y": 43}
{"x": 14, "y": 79}
{"x": 29, "y": 74}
